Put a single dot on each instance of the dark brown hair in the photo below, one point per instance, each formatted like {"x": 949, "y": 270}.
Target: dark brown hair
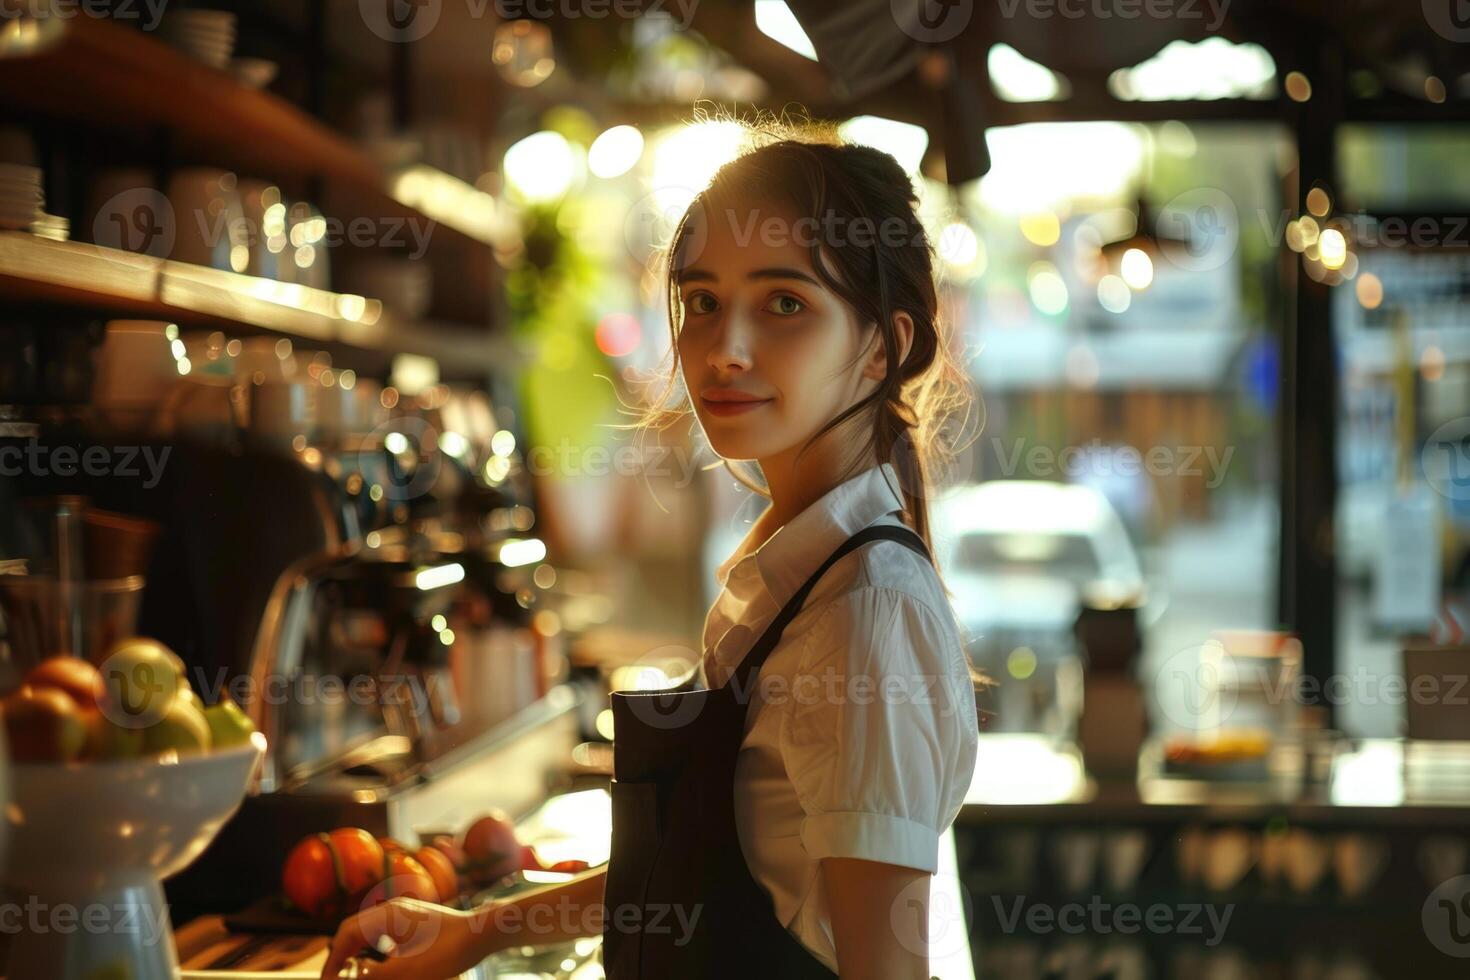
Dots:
{"x": 870, "y": 250}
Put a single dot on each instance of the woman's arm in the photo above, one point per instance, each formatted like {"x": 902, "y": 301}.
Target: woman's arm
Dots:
{"x": 880, "y": 919}
{"x": 430, "y": 942}
{"x": 555, "y": 914}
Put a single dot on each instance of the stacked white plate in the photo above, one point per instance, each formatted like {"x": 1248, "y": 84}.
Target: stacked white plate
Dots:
{"x": 204, "y": 35}
{"x": 21, "y": 198}
{"x": 51, "y": 226}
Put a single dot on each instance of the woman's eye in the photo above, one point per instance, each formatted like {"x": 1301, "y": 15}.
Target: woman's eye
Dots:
{"x": 702, "y": 303}
{"x": 785, "y": 305}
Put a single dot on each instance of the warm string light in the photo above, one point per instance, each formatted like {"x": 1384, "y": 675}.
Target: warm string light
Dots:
{"x": 1325, "y": 246}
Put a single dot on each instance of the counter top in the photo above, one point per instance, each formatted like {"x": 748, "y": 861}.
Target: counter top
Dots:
{"x": 1373, "y": 782}
{"x": 205, "y": 944}
{"x": 576, "y": 824}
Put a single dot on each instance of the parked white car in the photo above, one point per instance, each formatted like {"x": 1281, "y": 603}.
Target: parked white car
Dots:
{"x": 1017, "y": 555}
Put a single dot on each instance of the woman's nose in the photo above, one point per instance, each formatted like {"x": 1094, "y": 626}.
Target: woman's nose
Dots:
{"x": 731, "y": 349}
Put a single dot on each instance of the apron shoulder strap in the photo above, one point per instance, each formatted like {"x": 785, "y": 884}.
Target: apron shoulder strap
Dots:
{"x": 772, "y": 634}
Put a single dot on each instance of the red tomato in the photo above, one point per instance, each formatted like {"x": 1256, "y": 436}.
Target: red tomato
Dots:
{"x": 324, "y": 871}
{"x": 404, "y": 878}
{"x": 359, "y": 859}
{"x": 446, "y": 881}
{"x": 309, "y": 877}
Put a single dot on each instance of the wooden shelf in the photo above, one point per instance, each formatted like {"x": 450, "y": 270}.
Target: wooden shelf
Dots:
{"x": 38, "y": 269}
{"x": 109, "y": 75}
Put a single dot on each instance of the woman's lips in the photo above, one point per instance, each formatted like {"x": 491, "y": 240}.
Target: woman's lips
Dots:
{"x": 723, "y": 409}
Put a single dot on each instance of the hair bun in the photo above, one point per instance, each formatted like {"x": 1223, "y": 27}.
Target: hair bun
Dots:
{"x": 885, "y": 170}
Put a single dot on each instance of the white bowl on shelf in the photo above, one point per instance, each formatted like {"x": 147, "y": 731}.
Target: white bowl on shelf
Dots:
{"x": 101, "y": 836}
{"x": 209, "y": 219}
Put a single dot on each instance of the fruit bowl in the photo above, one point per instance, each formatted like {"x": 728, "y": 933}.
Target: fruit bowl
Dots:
{"x": 89, "y": 844}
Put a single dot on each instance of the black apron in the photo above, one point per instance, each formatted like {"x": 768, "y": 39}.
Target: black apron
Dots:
{"x": 680, "y": 899}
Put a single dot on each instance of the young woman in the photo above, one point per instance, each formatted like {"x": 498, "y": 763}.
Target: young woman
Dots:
{"x": 782, "y": 816}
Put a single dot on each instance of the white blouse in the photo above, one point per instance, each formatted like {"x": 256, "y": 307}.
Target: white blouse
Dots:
{"x": 861, "y": 734}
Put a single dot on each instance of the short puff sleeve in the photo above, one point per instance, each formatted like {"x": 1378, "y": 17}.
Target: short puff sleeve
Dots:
{"x": 878, "y": 742}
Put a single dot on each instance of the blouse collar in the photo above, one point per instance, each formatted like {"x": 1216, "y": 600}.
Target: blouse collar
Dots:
{"x": 798, "y": 547}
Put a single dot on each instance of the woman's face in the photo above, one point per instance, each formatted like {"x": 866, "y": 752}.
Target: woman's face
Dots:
{"x": 769, "y": 354}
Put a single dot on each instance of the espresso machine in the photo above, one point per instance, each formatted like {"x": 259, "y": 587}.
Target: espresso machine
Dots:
{"x": 354, "y": 564}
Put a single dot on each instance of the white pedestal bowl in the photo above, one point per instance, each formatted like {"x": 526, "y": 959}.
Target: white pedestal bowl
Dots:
{"x": 89, "y": 844}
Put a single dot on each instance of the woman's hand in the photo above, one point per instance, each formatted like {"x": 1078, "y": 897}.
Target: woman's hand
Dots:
{"x": 422, "y": 941}
{"x": 430, "y": 942}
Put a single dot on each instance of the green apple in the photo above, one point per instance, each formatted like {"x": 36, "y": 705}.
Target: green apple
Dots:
{"x": 228, "y": 725}
{"x": 182, "y": 728}
{"x": 141, "y": 677}
{"x": 183, "y": 670}
{"x": 106, "y": 739}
